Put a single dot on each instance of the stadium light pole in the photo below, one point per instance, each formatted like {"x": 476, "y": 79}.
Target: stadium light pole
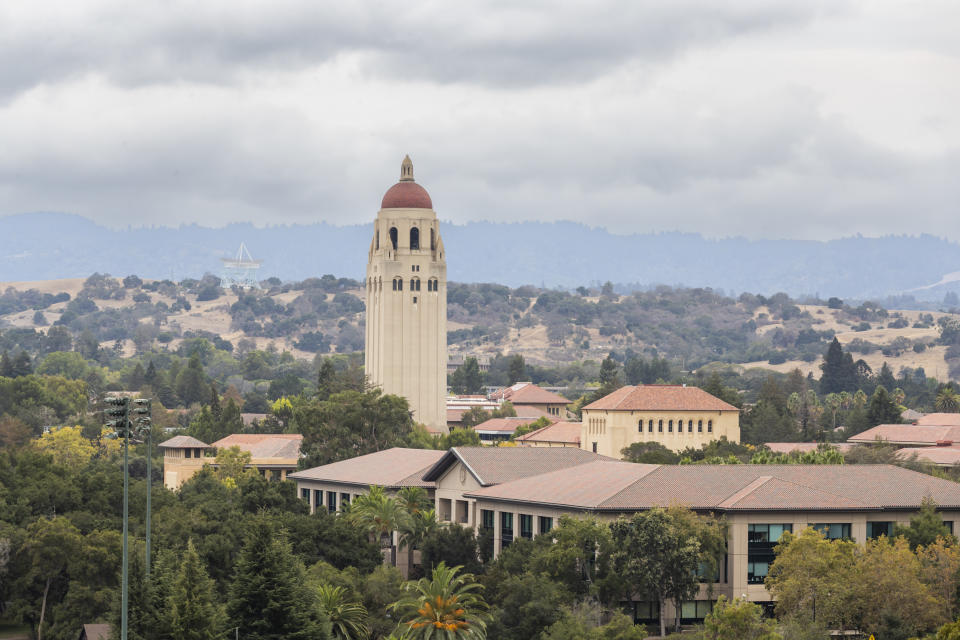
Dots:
{"x": 144, "y": 419}
{"x": 119, "y": 410}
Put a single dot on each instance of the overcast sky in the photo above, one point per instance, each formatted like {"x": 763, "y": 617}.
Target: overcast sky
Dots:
{"x": 793, "y": 119}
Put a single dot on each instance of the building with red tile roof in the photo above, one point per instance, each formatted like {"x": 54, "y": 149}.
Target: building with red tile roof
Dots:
{"x": 912, "y": 435}
{"x": 527, "y": 394}
{"x": 942, "y": 456}
{"x": 499, "y": 429}
{"x": 676, "y": 416}
{"x": 939, "y": 419}
{"x": 273, "y": 455}
{"x": 558, "y": 434}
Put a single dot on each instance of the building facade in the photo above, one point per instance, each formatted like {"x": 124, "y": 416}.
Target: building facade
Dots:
{"x": 676, "y": 416}
{"x": 273, "y": 455}
{"x": 406, "y": 298}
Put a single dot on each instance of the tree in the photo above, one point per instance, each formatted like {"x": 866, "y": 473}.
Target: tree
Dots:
{"x": 379, "y": 515}
{"x": 350, "y": 424}
{"x": 810, "y": 580}
{"x": 925, "y": 528}
{"x": 193, "y": 604}
{"x": 882, "y": 409}
{"x": 649, "y": 453}
{"x": 49, "y": 547}
{"x": 609, "y": 378}
{"x": 454, "y": 545}
{"x": 68, "y": 446}
{"x": 467, "y": 378}
{"x": 473, "y": 416}
{"x": 839, "y": 372}
{"x": 656, "y": 557}
{"x": 517, "y": 370}
{"x": 738, "y": 620}
{"x": 347, "y": 618}
{"x": 947, "y": 400}
{"x": 448, "y": 602}
{"x": 232, "y": 465}
{"x": 191, "y": 382}
{"x": 269, "y": 598}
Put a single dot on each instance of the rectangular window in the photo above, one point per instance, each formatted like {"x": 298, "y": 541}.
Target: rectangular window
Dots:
{"x": 834, "y": 530}
{"x": 690, "y": 426}
{"x": 526, "y": 526}
{"x": 318, "y": 498}
{"x": 305, "y": 494}
{"x": 949, "y": 525}
{"x": 594, "y": 447}
{"x": 506, "y": 529}
{"x": 692, "y": 611}
{"x": 332, "y": 501}
{"x": 545, "y": 524}
{"x": 877, "y": 529}
{"x": 650, "y": 427}
{"x": 344, "y": 499}
{"x": 757, "y": 572}
{"x": 660, "y": 426}
{"x": 187, "y": 453}
{"x": 644, "y": 612}
{"x": 670, "y": 427}
{"x": 699, "y": 426}
{"x": 487, "y": 518}
{"x": 709, "y": 426}
{"x": 769, "y": 533}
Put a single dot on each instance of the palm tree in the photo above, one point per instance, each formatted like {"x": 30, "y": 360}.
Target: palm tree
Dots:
{"x": 347, "y": 619}
{"x": 948, "y": 401}
{"x": 414, "y": 499}
{"x": 380, "y": 515}
{"x": 446, "y": 606}
{"x": 420, "y": 525}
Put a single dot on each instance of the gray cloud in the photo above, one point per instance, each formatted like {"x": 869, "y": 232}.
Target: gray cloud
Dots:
{"x": 743, "y": 118}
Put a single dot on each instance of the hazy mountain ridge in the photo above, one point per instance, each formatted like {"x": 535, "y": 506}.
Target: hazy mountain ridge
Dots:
{"x": 41, "y": 246}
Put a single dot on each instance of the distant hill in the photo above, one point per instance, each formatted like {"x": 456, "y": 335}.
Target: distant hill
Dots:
{"x": 40, "y": 246}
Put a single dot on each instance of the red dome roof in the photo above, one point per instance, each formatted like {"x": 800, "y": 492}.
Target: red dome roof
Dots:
{"x": 406, "y": 195}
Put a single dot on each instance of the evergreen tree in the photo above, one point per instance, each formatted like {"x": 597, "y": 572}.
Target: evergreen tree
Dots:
{"x": 193, "y": 604}
{"x": 885, "y": 378}
{"x": 137, "y": 377}
{"x": 215, "y": 409}
{"x": 151, "y": 376}
{"x": 467, "y": 378}
{"x": 191, "y": 382}
{"x": 21, "y": 365}
{"x": 839, "y": 372}
{"x": 882, "y": 409}
{"x": 269, "y": 598}
{"x": 517, "y": 369}
{"x": 326, "y": 379}
{"x": 141, "y": 611}
{"x": 6, "y": 365}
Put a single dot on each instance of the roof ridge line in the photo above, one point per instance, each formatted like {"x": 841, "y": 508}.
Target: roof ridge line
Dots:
{"x": 743, "y": 492}
{"x": 653, "y": 468}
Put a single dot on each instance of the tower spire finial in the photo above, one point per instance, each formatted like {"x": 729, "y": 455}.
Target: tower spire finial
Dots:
{"x": 406, "y": 170}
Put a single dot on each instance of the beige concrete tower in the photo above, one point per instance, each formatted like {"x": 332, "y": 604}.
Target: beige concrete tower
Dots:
{"x": 406, "y": 333}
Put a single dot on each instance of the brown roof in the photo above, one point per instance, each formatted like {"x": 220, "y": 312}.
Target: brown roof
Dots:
{"x": 908, "y": 434}
{"x": 532, "y": 411}
{"x": 391, "y": 468}
{"x": 263, "y": 445}
{"x": 940, "y": 419}
{"x": 493, "y": 465}
{"x": 566, "y": 432}
{"x": 528, "y": 393}
{"x": 804, "y": 447}
{"x": 623, "y": 486}
{"x": 183, "y": 442}
{"x": 942, "y": 456}
{"x": 505, "y": 425}
{"x": 660, "y": 397}
{"x": 406, "y": 195}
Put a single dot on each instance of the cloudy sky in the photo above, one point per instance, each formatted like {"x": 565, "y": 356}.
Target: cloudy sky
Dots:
{"x": 813, "y": 119}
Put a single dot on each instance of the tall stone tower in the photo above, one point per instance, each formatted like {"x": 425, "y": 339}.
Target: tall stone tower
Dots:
{"x": 406, "y": 339}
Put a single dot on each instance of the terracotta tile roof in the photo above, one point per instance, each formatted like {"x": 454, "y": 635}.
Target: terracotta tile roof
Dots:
{"x": 528, "y": 393}
{"x": 910, "y": 415}
{"x": 566, "y": 432}
{"x": 455, "y": 415}
{"x": 264, "y": 445}
{"x": 660, "y": 397}
{"x": 391, "y": 468}
{"x": 532, "y": 411}
{"x": 908, "y": 434}
{"x": 493, "y": 465}
{"x": 182, "y": 442}
{"x": 940, "y": 419}
{"x": 942, "y": 456}
{"x": 804, "y": 447}
{"x": 503, "y": 425}
{"x": 618, "y": 486}
{"x": 96, "y": 631}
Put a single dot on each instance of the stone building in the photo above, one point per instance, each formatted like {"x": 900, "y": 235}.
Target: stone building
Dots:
{"x": 406, "y": 296}
{"x": 676, "y": 416}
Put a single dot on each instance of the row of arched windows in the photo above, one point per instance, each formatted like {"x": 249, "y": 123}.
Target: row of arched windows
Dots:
{"x": 597, "y": 425}
{"x": 432, "y": 284}
{"x": 669, "y": 425}
{"x": 414, "y": 238}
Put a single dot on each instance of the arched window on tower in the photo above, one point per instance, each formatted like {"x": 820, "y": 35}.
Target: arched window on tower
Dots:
{"x": 433, "y": 239}
{"x": 398, "y": 284}
{"x": 414, "y": 238}
{"x": 393, "y": 237}
{"x": 376, "y": 238}
{"x": 414, "y": 284}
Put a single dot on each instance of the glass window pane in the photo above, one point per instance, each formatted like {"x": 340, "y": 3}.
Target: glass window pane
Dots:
{"x": 688, "y": 610}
